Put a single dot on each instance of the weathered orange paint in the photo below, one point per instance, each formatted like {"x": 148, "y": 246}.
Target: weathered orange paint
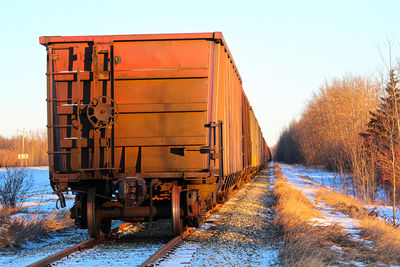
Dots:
{"x": 167, "y": 88}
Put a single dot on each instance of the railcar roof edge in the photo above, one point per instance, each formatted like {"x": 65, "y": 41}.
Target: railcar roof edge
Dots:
{"x": 216, "y": 36}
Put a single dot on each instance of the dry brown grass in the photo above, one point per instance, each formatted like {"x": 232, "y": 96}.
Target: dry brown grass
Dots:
{"x": 15, "y": 231}
{"x": 386, "y": 238}
{"x": 8, "y": 210}
{"x": 292, "y": 205}
{"x": 342, "y": 202}
{"x": 304, "y": 244}
{"x": 307, "y": 244}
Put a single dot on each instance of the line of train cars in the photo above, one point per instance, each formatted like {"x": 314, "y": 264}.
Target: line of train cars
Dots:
{"x": 146, "y": 127}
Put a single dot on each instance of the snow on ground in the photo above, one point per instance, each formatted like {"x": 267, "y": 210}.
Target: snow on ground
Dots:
{"x": 34, "y": 251}
{"x": 39, "y": 198}
{"x": 385, "y": 212}
{"x": 308, "y": 186}
{"x": 300, "y": 175}
{"x": 308, "y": 181}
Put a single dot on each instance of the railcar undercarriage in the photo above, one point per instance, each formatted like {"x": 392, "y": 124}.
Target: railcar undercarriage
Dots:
{"x": 137, "y": 199}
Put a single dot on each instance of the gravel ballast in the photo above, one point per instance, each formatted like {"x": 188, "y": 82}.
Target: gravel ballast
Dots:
{"x": 242, "y": 233}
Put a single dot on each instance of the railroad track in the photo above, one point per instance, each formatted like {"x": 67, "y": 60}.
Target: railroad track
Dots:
{"x": 167, "y": 248}
{"x": 90, "y": 243}
{"x": 173, "y": 243}
{"x": 59, "y": 255}
{"x": 87, "y": 244}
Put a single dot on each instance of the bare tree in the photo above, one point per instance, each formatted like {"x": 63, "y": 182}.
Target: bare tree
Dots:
{"x": 13, "y": 185}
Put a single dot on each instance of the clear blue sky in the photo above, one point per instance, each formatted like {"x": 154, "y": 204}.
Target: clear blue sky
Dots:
{"x": 284, "y": 50}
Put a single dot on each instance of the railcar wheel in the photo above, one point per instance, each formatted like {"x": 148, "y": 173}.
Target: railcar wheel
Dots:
{"x": 177, "y": 222}
{"x": 92, "y": 220}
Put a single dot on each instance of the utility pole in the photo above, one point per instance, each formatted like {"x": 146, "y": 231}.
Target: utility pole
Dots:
{"x": 23, "y": 156}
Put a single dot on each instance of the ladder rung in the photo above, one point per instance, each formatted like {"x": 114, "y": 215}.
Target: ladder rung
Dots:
{"x": 60, "y": 126}
{"x": 60, "y": 100}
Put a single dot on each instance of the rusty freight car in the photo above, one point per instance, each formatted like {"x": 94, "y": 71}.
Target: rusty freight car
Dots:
{"x": 143, "y": 127}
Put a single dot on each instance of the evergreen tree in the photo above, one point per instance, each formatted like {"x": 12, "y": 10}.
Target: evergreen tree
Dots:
{"x": 383, "y": 136}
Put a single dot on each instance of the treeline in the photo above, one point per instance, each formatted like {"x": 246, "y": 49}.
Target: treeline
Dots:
{"x": 351, "y": 125}
{"x": 35, "y": 146}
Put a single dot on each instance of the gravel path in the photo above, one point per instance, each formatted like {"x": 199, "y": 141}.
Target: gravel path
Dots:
{"x": 241, "y": 234}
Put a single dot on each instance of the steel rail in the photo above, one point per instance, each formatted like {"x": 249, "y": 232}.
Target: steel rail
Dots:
{"x": 68, "y": 251}
{"x": 173, "y": 243}
{"x": 176, "y": 241}
{"x": 78, "y": 247}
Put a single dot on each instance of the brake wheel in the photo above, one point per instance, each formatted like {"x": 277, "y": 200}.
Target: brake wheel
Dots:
{"x": 102, "y": 112}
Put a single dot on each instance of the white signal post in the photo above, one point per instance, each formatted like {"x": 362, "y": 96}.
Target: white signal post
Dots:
{"x": 23, "y": 156}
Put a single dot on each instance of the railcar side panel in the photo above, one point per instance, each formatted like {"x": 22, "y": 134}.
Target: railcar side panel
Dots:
{"x": 228, "y": 102}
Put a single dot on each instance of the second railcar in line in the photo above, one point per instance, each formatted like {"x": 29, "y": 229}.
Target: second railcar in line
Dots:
{"x": 144, "y": 127}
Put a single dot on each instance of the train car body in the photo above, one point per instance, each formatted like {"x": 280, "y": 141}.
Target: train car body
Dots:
{"x": 143, "y": 127}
